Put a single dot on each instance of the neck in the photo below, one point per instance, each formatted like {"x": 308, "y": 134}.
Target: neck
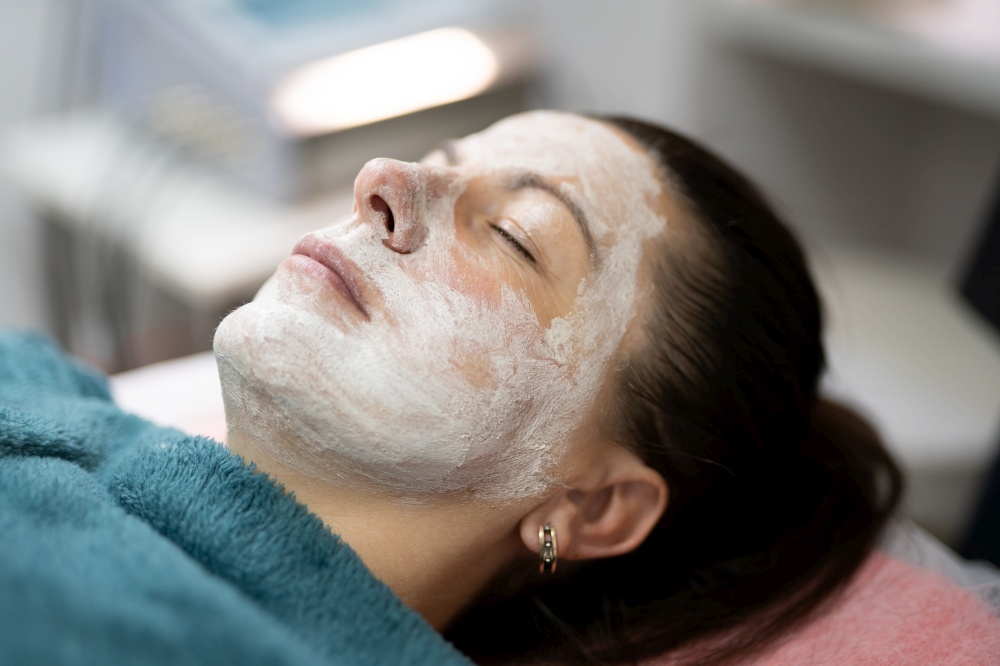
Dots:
{"x": 436, "y": 555}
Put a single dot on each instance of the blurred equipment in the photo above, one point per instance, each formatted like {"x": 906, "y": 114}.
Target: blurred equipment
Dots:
{"x": 981, "y": 284}
{"x": 225, "y": 129}
{"x": 295, "y": 95}
{"x": 981, "y": 289}
{"x": 146, "y": 252}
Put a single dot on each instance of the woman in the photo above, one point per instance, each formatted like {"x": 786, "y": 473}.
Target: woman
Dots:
{"x": 555, "y": 385}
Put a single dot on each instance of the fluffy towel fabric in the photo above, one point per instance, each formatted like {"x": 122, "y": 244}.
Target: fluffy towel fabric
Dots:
{"x": 122, "y": 542}
{"x": 912, "y": 603}
{"x": 893, "y": 614}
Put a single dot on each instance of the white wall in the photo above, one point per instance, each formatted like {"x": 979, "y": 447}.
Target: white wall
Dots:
{"x": 638, "y": 57}
{"x": 26, "y": 68}
{"x": 850, "y": 162}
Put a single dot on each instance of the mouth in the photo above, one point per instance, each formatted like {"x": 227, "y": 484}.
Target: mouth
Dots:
{"x": 325, "y": 260}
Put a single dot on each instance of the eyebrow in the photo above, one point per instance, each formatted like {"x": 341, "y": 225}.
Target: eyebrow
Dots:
{"x": 533, "y": 180}
{"x": 536, "y": 181}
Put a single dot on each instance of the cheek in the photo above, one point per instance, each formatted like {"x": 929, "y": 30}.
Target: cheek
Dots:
{"x": 473, "y": 276}
{"x": 476, "y": 364}
{"x": 495, "y": 282}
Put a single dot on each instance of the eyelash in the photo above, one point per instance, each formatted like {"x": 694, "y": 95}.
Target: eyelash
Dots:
{"x": 513, "y": 242}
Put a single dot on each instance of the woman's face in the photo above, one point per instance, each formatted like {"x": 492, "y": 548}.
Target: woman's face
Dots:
{"x": 454, "y": 333}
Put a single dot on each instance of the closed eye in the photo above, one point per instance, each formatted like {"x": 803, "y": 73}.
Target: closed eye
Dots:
{"x": 513, "y": 242}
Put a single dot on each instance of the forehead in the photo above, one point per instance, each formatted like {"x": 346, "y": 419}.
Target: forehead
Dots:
{"x": 554, "y": 143}
{"x": 591, "y": 161}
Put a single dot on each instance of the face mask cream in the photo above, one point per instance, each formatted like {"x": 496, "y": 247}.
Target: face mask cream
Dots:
{"x": 453, "y": 377}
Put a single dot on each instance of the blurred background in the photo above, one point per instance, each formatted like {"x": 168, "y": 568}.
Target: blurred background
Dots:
{"x": 157, "y": 160}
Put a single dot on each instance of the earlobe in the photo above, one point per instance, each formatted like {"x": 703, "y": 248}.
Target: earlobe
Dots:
{"x": 604, "y": 515}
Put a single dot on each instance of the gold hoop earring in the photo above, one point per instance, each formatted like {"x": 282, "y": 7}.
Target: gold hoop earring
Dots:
{"x": 547, "y": 549}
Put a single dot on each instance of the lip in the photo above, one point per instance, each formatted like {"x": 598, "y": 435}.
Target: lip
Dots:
{"x": 325, "y": 259}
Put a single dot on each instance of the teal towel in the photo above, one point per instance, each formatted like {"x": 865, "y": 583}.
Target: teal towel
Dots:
{"x": 125, "y": 543}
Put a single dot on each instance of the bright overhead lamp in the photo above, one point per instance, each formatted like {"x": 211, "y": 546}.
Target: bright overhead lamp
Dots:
{"x": 384, "y": 81}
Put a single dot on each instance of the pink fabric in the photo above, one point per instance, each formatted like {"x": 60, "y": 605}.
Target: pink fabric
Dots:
{"x": 892, "y": 613}
{"x": 895, "y": 613}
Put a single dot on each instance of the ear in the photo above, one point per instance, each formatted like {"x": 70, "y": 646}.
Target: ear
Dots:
{"x": 607, "y": 510}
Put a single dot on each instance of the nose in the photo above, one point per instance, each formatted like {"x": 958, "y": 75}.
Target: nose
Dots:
{"x": 395, "y": 196}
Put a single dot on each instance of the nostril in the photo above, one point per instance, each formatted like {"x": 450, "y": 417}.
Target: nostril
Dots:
{"x": 379, "y": 205}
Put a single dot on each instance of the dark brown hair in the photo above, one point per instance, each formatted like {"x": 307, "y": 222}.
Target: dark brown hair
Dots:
{"x": 776, "y": 495}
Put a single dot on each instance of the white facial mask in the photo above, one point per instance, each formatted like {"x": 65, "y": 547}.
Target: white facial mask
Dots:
{"x": 444, "y": 389}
